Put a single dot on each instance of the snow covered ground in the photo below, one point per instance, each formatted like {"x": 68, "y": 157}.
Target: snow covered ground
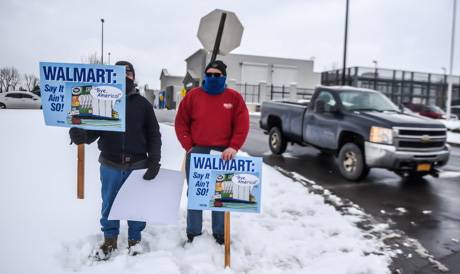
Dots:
{"x": 453, "y": 135}
{"x": 453, "y": 138}
{"x": 451, "y": 124}
{"x": 45, "y": 229}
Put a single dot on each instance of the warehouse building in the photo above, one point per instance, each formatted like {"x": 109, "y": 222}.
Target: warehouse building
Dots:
{"x": 257, "y": 78}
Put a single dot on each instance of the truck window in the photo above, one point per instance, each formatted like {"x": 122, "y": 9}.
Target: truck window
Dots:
{"x": 328, "y": 99}
{"x": 366, "y": 101}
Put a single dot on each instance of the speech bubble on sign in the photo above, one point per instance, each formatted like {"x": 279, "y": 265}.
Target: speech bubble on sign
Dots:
{"x": 108, "y": 93}
{"x": 245, "y": 179}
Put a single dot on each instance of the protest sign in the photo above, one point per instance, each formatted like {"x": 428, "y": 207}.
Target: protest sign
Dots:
{"x": 82, "y": 95}
{"x": 219, "y": 185}
{"x": 156, "y": 201}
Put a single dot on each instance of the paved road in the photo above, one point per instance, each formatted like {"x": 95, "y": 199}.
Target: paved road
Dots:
{"x": 432, "y": 205}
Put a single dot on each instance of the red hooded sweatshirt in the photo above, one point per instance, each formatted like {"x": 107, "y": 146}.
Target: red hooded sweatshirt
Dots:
{"x": 212, "y": 120}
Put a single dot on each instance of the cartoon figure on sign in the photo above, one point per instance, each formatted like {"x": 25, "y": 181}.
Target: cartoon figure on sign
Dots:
{"x": 75, "y": 106}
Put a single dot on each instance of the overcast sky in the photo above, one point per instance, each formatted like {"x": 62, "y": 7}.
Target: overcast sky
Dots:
{"x": 405, "y": 34}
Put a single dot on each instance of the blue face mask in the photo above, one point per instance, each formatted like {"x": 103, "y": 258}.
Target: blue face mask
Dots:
{"x": 214, "y": 85}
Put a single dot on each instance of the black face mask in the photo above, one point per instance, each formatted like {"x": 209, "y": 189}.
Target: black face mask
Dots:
{"x": 129, "y": 85}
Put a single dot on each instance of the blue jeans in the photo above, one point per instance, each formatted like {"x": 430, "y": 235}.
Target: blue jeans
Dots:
{"x": 195, "y": 217}
{"x": 112, "y": 179}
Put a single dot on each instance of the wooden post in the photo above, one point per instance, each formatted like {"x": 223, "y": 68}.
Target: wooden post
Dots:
{"x": 227, "y": 238}
{"x": 81, "y": 172}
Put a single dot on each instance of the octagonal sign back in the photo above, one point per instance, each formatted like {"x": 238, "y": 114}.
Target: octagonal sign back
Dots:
{"x": 231, "y": 36}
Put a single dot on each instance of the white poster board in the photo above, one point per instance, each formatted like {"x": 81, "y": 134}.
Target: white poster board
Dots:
{"x": 155, "y": 202}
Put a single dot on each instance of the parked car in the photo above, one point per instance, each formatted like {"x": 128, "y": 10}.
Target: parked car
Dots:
{"x": 430, "y": 111}
{"x": 362, "y": 128}
{"x": 19, "y": 99}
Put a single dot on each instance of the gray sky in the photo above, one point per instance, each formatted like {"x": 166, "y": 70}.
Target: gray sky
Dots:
{"x": 406, "y": 34}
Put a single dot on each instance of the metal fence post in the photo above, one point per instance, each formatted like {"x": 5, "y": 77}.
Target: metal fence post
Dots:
{"x": 263, "y": 88}
{"x": 293, "y": 91}
{"x": 271, "y": 92}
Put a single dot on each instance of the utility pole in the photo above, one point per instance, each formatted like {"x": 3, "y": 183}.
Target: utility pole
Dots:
{"x": 451, "y": 62}
{"x": 344, "y": 66}
{"x": 102, "y": 41}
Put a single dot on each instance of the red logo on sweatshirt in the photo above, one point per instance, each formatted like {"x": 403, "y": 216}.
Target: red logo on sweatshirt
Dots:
{"x": 228, "y": 105}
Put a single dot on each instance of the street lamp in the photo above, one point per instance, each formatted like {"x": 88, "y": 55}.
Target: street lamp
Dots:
{"x": 451, "y": 64}
{"x": 375, "y": 73}
{"x": 102, "y": 41}
{"x": 109, "y": 57}
{"x": 444, "y": 70}
{"x": 344, "y": 65}
{"x": 375, "y": 64}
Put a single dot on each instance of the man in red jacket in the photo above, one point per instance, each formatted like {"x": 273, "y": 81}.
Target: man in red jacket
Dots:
{"x": 211, "y": 117}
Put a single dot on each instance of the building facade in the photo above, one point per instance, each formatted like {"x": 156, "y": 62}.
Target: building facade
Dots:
{"x": 257, "y": 78}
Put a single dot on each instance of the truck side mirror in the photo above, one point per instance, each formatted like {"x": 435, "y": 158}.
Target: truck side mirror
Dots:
{"x": 320, "y": 106}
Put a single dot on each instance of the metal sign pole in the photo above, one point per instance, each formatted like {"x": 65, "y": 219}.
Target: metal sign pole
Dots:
{"x": 451, "y": 64}
{"x": 215, "y": 51}
{"x": 81, "y": 172}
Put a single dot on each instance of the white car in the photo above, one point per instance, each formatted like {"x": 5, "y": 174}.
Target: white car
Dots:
{"x": 19, "y": 99}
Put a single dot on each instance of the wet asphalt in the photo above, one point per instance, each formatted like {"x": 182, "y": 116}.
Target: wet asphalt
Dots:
{"x": 427, "y": 210}
{"x": 431, "y": 207}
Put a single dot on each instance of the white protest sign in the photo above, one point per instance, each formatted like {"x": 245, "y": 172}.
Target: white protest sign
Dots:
{"x": 155, "y": 202}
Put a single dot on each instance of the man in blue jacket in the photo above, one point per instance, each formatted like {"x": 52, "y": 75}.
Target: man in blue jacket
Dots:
{"x": 139, "y": 147}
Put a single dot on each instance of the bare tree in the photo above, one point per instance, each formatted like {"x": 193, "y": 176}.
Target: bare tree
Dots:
{"x": 3, "y": 80}
{"x": 92, "y": 59}
{"x": 31, "y": 81}
{"x": 9, "y": 78}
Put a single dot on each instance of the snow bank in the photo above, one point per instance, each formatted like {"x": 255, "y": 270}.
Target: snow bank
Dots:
{"x": 452, "y": 125}
{"x": 45, "y": 229}
{"x": 453, "y": 135}
{"x": 453, "y": 138}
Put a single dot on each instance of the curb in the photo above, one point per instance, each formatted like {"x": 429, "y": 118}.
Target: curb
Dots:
{"x": 454, "y": 144}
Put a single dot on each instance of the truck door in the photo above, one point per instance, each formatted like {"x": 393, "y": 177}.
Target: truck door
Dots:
{"x": 321, "y": 122}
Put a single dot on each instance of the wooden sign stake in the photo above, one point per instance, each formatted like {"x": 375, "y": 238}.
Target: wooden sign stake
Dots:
{"x": 227, "y": 238}
{"x": 81, "y": 172}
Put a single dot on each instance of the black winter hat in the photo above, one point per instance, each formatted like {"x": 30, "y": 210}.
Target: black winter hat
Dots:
{"x": 128, "y": 65}
{"x": 217, "y": 64}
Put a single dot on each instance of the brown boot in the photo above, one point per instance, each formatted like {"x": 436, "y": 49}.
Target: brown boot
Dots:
{"x": 134, "y": 247}
{"x": 106, "y": 249}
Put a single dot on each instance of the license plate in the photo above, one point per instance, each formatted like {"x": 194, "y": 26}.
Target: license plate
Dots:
{"x": 423, "y": 167}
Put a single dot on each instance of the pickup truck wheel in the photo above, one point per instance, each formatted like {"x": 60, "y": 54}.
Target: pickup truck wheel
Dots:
{"x": 276, "y": 141}
{"x": 351, "y": 162}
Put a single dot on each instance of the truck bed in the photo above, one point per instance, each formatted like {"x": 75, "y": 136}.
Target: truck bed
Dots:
{"x": 289, "y": 115}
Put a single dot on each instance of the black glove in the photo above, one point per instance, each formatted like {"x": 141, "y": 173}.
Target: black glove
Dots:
{"x": 152, "y": 170}
{"x": 78, "y": 135}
